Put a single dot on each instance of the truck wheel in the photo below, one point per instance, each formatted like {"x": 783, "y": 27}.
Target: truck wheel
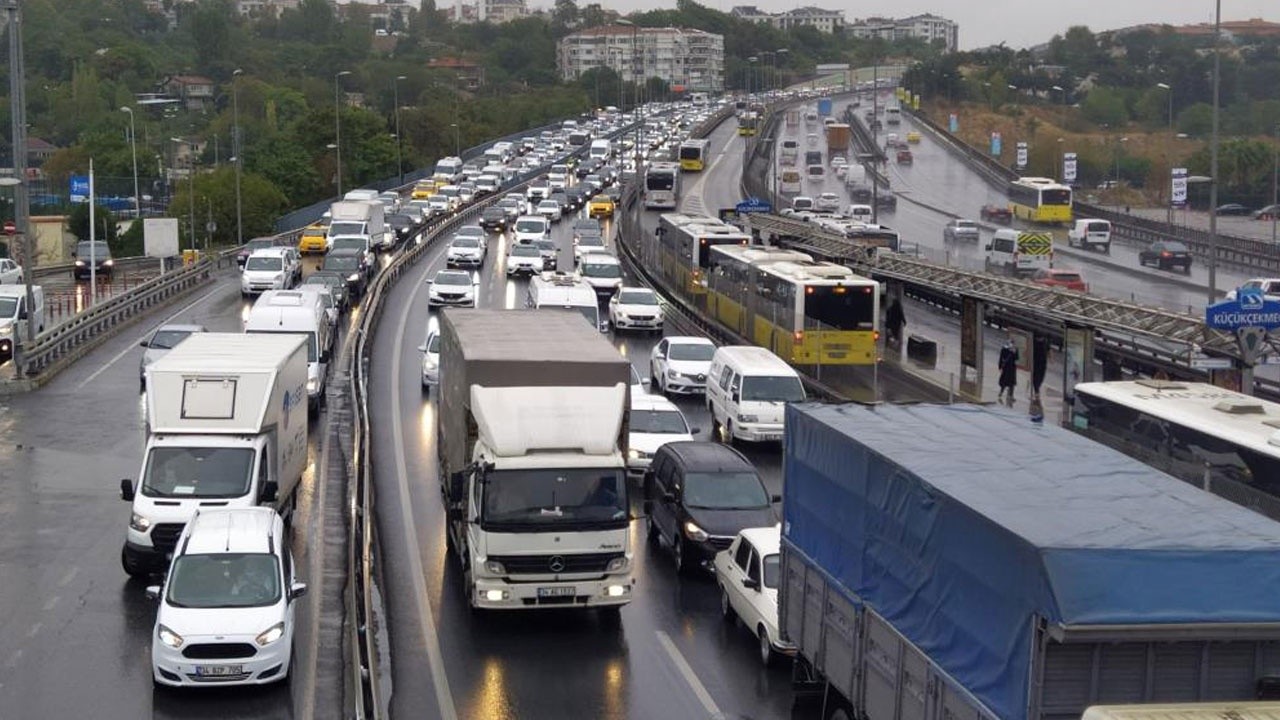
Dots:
{"x": 726, "y": 608}
{"x": 131, "y": 567}
{"x": 767, "y": 655}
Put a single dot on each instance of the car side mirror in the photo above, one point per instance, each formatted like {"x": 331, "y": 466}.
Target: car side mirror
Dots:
{"x": 988, "y": 248}
{"x": 153, "y": 592}
{"x": 750, "y": 583}
{"x": 22, "y": 314}
{"x": 126, "y": 490}
{"x": 143, "y": 343}
{"x": 737, "y": 397}
{"x": 644, "y": 382}
{"x": 297, "y": 590}
{"x": 270, "y": 491}
{"x": 422, "y": 347}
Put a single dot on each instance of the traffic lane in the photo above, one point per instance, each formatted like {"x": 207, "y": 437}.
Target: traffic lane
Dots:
{"x": 60, "y": 540}
{"x": 720, "y": 184}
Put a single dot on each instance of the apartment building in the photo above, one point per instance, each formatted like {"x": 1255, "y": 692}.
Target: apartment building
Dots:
{"x": 826, "y": 21}
{"x": 685, "y": 58}
{"x": 926, "y": 27}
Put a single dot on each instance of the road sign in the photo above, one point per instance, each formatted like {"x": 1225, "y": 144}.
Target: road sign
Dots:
{"x": 1211, "y": 363}
{"x": 79, "y": 188}
{"x": 10, "y": 228}
{"x": 211, "y": 226}
{"x": 1250, "y": 309}
{"x": 753, "y": 205}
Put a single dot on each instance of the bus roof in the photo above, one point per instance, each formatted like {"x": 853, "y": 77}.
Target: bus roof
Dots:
{"x": 663, "y": 166}
{"x": 756, "y": 254}
{"x": 815, "y": 272}
{"x": 695, "y": 142}
{"x": 1039, "y": 182}
{"x": 1231, "y": 416}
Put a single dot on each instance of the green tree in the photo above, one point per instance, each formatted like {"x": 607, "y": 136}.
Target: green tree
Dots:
{"x": 104, "y": 222}
{"x": 211, "y": 32}
{"x": 1105, "y": 106}
{"x": 1196, "y": 120}
{"x": 215, "y": 199}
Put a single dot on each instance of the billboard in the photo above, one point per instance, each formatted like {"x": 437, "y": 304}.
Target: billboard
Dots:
{"x": 79, "y": 188}
{"x": 1068, "y": 168}
{"x": 1178, "y": 189}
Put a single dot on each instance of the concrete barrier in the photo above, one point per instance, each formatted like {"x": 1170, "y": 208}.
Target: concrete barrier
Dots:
{"x": 922, "y": 350}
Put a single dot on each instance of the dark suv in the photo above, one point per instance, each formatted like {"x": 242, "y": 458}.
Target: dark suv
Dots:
{"x": 698, "y": 495}
{"x": 96, "y": 253}
{"x": 1166, "y": 254}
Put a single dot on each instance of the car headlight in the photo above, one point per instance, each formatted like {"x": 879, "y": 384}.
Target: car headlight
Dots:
{"x": 695, "y": 533}
{"x": 635, "y": 454}
{"x": 169, "y": 637}
{"x": 79, "y": 263}
{"x": 270, "y": 635}
{"x": 277, "y": 278}
{"x": 494, "y": 567}
{"x": 109, "y": 263}
{"x": 313, "y": 384}
{"x": 748, "y": 418}
{"x": 673, "y": 375}
{"x": 353, "y": 277}
{"x": 139, "y": 522}
{"x": 617, "y": 564}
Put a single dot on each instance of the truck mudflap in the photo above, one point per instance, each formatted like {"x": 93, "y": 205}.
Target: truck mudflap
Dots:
{"x": 500, "y": 594}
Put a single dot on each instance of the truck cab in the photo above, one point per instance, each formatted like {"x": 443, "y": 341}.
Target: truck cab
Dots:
{"x": 14, "y": 316}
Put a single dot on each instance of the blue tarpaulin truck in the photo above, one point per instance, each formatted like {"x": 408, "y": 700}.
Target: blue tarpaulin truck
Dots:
{"x": 824, "y": 107}
{"x": 961, "y": 562}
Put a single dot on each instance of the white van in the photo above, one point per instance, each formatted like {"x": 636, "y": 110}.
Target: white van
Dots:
{"x": 14, "y": 316}
{"x": 450, "y": 167}
{"x": 790, "y": 151}
{"x": 361, "y": 194}
{"x": 273, "y": 268}
{"x": 532, "y": 227}
{"x": 562, "y": 291}
{"x": 1090, "y": 233}
{"x": 1019, "y": 252}
{"x": 600, "y": 149}
{"x": 302, "y": 313}
{"x": 815, "y": 173}
{"x": 748, "y": 388}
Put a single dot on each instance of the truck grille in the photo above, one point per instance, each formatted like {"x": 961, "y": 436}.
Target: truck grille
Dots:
{"x": 219, "y": 651}
{"x": 544, "y": 564}
{"x": 164, "y": 537}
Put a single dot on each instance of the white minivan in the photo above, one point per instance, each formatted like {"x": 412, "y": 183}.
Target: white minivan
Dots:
{"x": 14, "y": 316}
{"x": 227, "y": 607}
{"x": 531, "y": 228}
{"x": 748, "y": 388}
{"x": 301, "y": 313}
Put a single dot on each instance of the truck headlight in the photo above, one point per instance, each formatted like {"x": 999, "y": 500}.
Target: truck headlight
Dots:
{"x": 270, "y": 635}
{"x": 494, "y": 567}
{"x": 169, "y": 637}
{"x": 353, "y": 277}
{"x": 139, "y": 522}
{"x": 748, "y": 418}
{"x": 695, "y": 533}
{"x": 617, "y": 564}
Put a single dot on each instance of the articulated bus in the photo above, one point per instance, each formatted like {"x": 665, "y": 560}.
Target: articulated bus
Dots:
{"x": 1213, "y": 438}
{"x": 806, "y": 312}
{"x": 662, "y": 186}
{"x": 1040, "y": 200}
{"x": 694, "y": 154}
{"x": 684, "y": 245}
{"x": 748, "y": 123}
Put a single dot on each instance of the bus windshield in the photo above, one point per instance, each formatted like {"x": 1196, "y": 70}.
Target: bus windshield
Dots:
{"x": 660, "y": 181}
{"x": 691, "y": 152}
{"x": 841, "y": 308}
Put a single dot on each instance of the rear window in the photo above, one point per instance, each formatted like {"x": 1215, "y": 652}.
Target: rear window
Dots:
{"x": 1067, "y": 276}
{"x": 1099, "y": 226}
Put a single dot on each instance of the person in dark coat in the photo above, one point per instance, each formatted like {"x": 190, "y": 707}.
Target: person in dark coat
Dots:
{"x": 1039, "y": 364}
{"x": 894, "y": 320}
{"x": 1008, "y": 365}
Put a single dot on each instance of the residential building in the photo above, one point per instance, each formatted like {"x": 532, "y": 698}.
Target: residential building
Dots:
{"x": 470, "y": 75}
{"x": 925, "y": 27}
{"x": 193, "y": 90}
{"x": 263, "y": 8}
{"x": 39, "y": 150}
{"x": 684, "y": 58}
{"x": 826, "y": 21}
{"x": 494, "y": 11}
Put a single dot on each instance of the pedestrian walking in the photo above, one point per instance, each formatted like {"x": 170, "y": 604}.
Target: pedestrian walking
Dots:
{"x": 1039, "y": 364}
{"x": 1008, "y": 365}
{"x": 894, "y": 321}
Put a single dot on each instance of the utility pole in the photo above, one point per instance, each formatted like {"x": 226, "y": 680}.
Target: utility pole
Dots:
{"x": 237, "y": 150}
{"x": 1213, "y": 158}
{"x": 395, "y": 85}
{"x": 18, "y": 112}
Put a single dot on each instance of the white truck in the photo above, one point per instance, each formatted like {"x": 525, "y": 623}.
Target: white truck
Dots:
{"x": 361, "y": 218}
{"x": 532, "y": 446}
{"x": 1090, "y": 234}
{"x": 227, "y": 427}
{"x": 14, "y": 316}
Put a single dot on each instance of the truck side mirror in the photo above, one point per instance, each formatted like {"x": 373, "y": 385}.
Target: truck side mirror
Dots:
{"x": 988, "y": 247}
{"x": 297, "y": 590}
{"x": 270, "y": 491}
{"x": 324, "y": 357}
{"x": 126, "y": 490}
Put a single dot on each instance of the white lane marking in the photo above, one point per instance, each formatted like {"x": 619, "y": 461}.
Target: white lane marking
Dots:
{"x": 131, "y": 346}
{"x": 35, "y": 629}
{"x": 48, "y": 605}
{"x": 695, "y": 193}
{"x": 69, "y": 576}
{"x": 435, "y": 658}
{"x": 682, "y": 665}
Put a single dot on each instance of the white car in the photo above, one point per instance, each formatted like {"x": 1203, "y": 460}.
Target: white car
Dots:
{"x": 159, "y": 343}
{"x": 474, "y": 231}
{"x": 551, "y": 210}
{"x": 525, "y": 259}
{"x": 438, "y": 205}
{"x": 465, "y": 251}
{"x": 654, "y": 422}
{"x": 430, "y": 349}
{"x": 679, "y": 364}
{"x": 530, "y": 228}
{"x": 10, "y": 272}
{"x": 602, "y": 271}
{"x": 635, "y": 308}
{"x": 454, "y": 288}
{"x": 274, "y": 268}
{"x": 748, "y": 575}
{"x": 827, "y": 202}
{"x": 226, "y": 613}
{"x": 587, "y": 244}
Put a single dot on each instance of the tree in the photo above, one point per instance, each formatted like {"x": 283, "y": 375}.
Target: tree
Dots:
{"x": 1196, "y": 120}
{"x": 104, "y": 222}
{"x": 211, "y": 32}
{"x": 215, "y": 199}
{"x": 1105, "y": 106}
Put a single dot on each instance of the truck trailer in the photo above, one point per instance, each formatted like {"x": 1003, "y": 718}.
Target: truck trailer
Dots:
{"x": 838, "y": 137}
{"x": 961, "y": 562}
{"x": 531, "y": 436}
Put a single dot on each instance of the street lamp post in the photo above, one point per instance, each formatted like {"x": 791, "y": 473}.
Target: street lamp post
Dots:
{"x": 18, "y": 120}
{"x": 1117, "y": 154}
{"x": 777, "y": 78}
{"x": 191, "y": 188}
{"x": 1275, "y": 184}
{"x": 751, "y": 71}
{"x": 133, "y": 150}
{"x": 457, "y": 147}
{"x": 1169, "y": 91}
{"x": 337, "y": 126}
{"x": 1213, "y": 157}
{"x": 399, "y": 145}
{"x": 236, "y": 150}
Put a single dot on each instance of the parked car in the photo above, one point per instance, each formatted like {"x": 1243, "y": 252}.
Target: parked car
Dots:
{"x": 996, "y": 213}
{"x": 748, "y": 576}
{"x": 1270, "y": 212}
{"x": 1061, "y": 278}
{"x": 1232, "y": 209}
{"x": 960, "y": 229}
{"x": 1166, "y": 254}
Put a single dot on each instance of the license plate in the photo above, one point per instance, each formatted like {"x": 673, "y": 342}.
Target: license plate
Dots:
{"x": 557, "y": 592}
{"x": 219, "y": 670}
{"x": 771, "y": 436}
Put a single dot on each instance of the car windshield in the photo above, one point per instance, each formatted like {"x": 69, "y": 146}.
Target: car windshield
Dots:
{"x": 772, "y": 568}
{"x": 701, "y": 352}
{"x": 530, "y": 226}
{"x": 637, "y": 297}
{"x": 966, "y": 225}
{"x": 346, "y": 228}
{"x": 8, "y": 307}
{"x": 601, "y": 200}
{"x": 526, "y": 251}
{"x": 591, "y": 241}
{"x": 1174, "y": 247}
{"x": 452, "y": 278}
{"x": 197, "y": 472}
{"x": 724, "y": 491}
{"x": 399, "y": 220}
{"x": 225, "y": 580}
{"x": 658, "y": 421}
{"x": 433, "y": 344}
{"x": 772, "y": 389}
{"x": 98, "y": 249}
{"x": 548, "y": 205}
{"x": 600, "y": 269}
{"x": 341, "y": 263}
{"x": 546, "y": 245}
{"x": 256, "y": 245}
{"x": 348, "y": 244}
{"x": 561, "y": 498}
{"x": 267, "y": 263}
{"x": 471, "y": 231}
{"x": 466, "y": 242}
{"x": 166, "y": 339}
{"x": 586, "y": 225}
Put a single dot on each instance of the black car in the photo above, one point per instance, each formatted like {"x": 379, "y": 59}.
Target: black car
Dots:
{"x": 348, "y": 264}
{"x": 1166, "y": 254}
{"x": 89, "y": 255}
{"x": 493, "y": 218}
{"x": 337, "y": 287}
{"x": 403, "y": 225}
{"x": 887, "y": 200}
{"x": 1232, "y": 209}
{"x": 698, "y": 495}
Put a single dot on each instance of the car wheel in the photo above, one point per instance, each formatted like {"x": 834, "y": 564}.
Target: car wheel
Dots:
{"x": 651, "y": 530}
{"x": 726, "y": 608}
{"x": 678, "y": 554}
{"x": 767, "y": 654}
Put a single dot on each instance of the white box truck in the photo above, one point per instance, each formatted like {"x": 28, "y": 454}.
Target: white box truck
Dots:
{"x": 360, "y": 218}
{"x": 227, "y": 427}
{"x": 532, "y": 445}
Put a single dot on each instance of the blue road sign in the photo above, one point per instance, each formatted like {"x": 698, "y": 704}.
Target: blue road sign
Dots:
{"x": 753, "y": 205}
{"x": 1250, "y": 309}
{"x": 79, "y": 188}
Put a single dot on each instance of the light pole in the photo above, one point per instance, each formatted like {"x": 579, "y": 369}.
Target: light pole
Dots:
{"x": 1213, "y": 157}
{"x": 334, "y": 147}
{"x": 751, "y": 71}
{"x": 236, "y": 150}
{"x": 337, "y": 126}
{"x": 635, "y": 52}
{"x": 777, "y": 79}
{"x": 1117, "y": 153}
{"x": 395, "y": 85}
{"x": 457, "y": 147}
{"x": 1169, "y": 90}
{"x": 133, "y": 150}
{"x": 18, "y": 118}
{"x": 191, "y": 188}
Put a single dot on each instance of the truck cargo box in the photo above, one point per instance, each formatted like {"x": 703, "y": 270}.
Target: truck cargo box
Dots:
{"x": 1032, "y": 569}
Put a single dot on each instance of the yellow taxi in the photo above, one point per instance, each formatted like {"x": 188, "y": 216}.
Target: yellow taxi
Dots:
{"x": 913, "y": 137}
{"x": 424, "y": 189}
{"x": 600, "y": 206}
{"x": 313, "y": 239}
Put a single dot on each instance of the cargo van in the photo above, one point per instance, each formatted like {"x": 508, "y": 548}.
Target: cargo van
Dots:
{"x": 450, "y": 167}
{"x": 1090, "y": 233}
{"x": 562, "y": 291}
{"x": 789, "y": 181}
{"x": 1018, "y": 252}
{"x": 790, "y": 150}
{"x": 748, "y": 388}
{"x": 815, "y": 173}
{"x": 302, "y": 313}
{"x": 600, "y": 149}
{"x": 14, "y": 316}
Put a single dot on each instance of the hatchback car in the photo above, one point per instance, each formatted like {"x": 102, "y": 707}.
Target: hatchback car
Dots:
{"x": 679, "y": 364}
{"x": 827, "y": 202}
{"x": 465, "y": 251}
{"x": 1061, "y": 278}
{"x": 347, "y": 264}
{"x": 1166, "y": 254}
{"x": 159, "y": 343}
{"x": 960, "y": 229}
{"x": 996, "y": 213}
{"x": 748, "y": 575}
{"x": 654, "y": 421}
{"x": 699, "y": 496}
{"x": 95, "y": 256}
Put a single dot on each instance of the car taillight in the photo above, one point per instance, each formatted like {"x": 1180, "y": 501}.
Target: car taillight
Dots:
{"x": 1166, "y": 253}
{"x": 799, "y": 335}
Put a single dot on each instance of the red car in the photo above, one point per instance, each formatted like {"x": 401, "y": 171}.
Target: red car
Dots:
{"x": 1054, "y": 277}
{"x": 904, "y": 157}
{"x": 996, "y": 213}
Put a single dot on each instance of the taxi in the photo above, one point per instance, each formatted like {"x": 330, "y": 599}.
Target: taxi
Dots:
{"x": 424, "y": 189}
{"x": 313, "y": 239}
{"x": 600, "y": 206}
{"x": 913, "y": 137}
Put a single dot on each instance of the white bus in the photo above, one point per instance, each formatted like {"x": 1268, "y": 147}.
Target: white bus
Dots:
{"x": 662, "y": 186}
{"x": 1214, "y": 438}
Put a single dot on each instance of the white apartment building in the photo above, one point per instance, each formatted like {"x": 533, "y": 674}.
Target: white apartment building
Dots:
{"x": 925, "y": 27}
{"x": 826, "y": 21}
{"x": 682, "y": 57}
{"x": 494, "y": 11}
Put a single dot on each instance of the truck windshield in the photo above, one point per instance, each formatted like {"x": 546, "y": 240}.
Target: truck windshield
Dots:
{"x": 346, "y": 228}
{"x": 554, "y": 498}
{"x": 197, "y": 472}
{"x": 225, "y": 580}
{"x": 724, "y": 491}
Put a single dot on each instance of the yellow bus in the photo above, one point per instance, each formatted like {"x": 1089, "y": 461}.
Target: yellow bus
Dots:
{"x": 693, "y": 154}
{"x": 748, "y": 123}
{"x": 1040, "y": 200}
{"x": 684, "y": 249}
